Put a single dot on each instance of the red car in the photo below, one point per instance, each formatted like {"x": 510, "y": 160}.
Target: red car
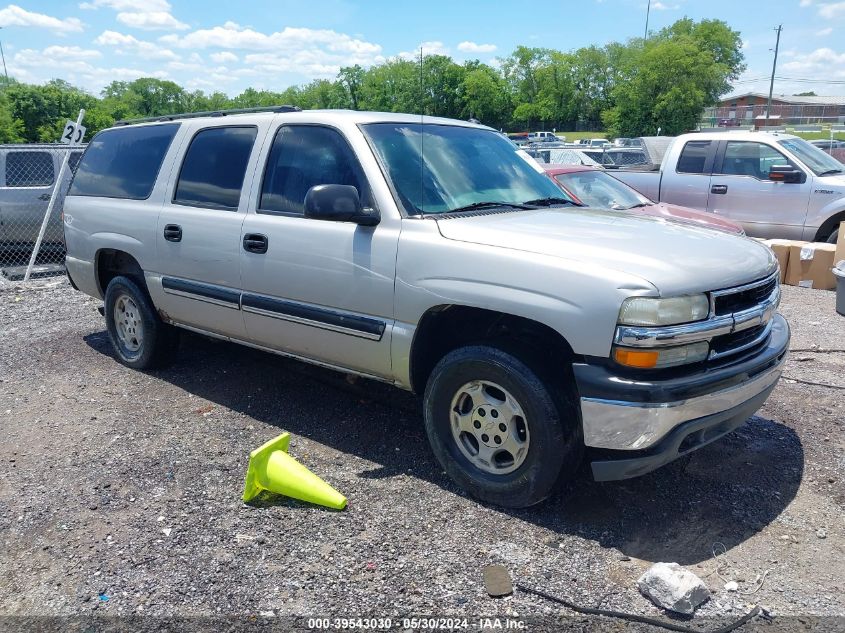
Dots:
{"x": 594, "y": 187}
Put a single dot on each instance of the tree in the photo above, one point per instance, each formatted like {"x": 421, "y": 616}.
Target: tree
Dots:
{"x": 484, "y": 96}
{"x": 667, "y": 81}
{"x": 351, "y": 78}
{"x": 11, "y": 129}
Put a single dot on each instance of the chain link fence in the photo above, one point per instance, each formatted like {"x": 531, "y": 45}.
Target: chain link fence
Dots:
{"x": 28, "y": 175}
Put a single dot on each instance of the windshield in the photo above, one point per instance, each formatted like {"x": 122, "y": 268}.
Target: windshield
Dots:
{"x": 441, "y": 168}
{"x": 596, "y": 189}
{"x": 813, "y": 157}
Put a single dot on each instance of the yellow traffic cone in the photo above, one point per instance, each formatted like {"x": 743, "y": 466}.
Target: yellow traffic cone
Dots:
{"x": 271, "y": 468}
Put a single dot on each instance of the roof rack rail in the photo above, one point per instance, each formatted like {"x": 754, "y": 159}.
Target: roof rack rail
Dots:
{"x": 209, "y": 113}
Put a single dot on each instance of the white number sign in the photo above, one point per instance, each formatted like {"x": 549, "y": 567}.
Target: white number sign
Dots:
{"x": 73, "y": 134}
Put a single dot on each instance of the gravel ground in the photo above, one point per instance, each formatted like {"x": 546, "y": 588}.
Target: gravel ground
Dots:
{"x": 120, "y": 492}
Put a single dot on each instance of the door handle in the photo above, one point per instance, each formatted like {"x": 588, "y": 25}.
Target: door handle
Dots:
{"x": 255, "y": 243}
{"x": 44, "y": 196}
{"x": 719, "y": 189}
{"x": 173, "y": 232}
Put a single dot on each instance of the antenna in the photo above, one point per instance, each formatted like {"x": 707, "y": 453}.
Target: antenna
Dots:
{"x": 422, "y": 132}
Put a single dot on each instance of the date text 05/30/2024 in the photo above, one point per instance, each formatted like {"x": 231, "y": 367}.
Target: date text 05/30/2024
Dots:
{"x": 422, "y": 623}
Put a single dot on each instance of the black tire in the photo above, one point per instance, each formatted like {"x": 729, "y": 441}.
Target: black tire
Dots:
{"x": 159, "y": 341}
{"x": 556, "y": 443}
{"x": 833, "y": 237}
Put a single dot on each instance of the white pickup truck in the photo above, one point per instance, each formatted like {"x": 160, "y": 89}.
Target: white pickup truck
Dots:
{"x": 775, "y": 185}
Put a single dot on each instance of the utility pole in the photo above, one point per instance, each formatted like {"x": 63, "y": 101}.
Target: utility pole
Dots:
{"x": 772, "y": 82}
{"x": 5, "y": 72}
{"x": 647, "y": 13}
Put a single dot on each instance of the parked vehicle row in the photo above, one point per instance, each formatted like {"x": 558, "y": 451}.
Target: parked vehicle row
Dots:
{"x": 774, "y": 185}
{"x": 434, "y": 255}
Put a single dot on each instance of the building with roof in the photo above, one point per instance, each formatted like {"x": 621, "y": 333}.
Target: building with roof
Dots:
{"x": 750, "y": 109}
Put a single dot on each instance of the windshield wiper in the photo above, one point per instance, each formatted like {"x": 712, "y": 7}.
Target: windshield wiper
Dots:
{"x": 490, "y": 204}
{"x": 830, "y": 172}
{"x": 547, "y": 202}
{"x": 633, "y": 206}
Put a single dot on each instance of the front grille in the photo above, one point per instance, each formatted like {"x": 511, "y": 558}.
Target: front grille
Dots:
{"x": 735, "y": 340}
{"x": 744, "y": 299}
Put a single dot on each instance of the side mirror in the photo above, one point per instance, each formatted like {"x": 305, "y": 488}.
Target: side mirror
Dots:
{"x": 787, "y": 173}
{"x": 338, "y": 203}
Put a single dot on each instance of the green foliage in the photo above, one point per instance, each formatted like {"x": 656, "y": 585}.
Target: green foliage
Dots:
{"x": 666, "y": 81}
{"x": 632, "y": 88}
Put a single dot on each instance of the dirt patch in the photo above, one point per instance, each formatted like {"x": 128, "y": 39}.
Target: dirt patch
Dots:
{"x": 121, "y": 490}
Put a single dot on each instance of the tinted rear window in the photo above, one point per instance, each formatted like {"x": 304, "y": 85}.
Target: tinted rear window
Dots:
{"x": 693, "y": 157}
{"x": 213, "y": 170}
{"x": 29, "y": 169}
{"x": 123, "y": 162}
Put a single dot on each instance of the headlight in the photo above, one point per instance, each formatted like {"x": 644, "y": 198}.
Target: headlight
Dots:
{"x": 661, "y": 357}
{"x": 651, "y": 311}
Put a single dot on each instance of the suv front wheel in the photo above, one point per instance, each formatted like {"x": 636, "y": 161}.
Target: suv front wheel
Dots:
{"x": 500, "y": 427}
{"x": 139, "y": 337}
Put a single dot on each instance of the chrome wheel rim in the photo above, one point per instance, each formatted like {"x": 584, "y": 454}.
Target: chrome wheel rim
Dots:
{"x": 489, "y": 427}
{"x": 127, "y": 320}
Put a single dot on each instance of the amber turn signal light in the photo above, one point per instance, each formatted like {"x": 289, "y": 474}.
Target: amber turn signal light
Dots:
{"x": 642, "y": 359}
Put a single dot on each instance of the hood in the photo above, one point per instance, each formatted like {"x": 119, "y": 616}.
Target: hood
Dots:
{"x": 699, "y": 218}
{"x": 676, "y": 258}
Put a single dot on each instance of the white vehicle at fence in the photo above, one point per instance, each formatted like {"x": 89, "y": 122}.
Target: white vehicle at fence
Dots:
{"x": 28, "y": 175}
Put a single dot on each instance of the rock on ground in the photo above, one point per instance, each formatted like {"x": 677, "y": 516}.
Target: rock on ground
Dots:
{"x": 672, "y": 587}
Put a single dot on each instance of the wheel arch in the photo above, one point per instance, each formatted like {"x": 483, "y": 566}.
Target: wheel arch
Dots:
{"x": 444, "y": 328}
{"x": 829, "y": 226}
{"x": 110, "y": 263}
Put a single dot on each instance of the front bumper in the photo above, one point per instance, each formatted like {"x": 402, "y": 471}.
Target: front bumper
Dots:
{"x": 638, "y": 426}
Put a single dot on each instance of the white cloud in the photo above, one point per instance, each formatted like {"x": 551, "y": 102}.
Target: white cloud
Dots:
{"x": 824, "y": 32}
{"x": 222, "y": 58}
{"x": 819, "y": 57}
{"x": 805, "y": 3}
{"x": 315, "y": 53}
{"x": 148, "y": 15}
{"x": 234, "y": 36}
{"x": 435, "y": 47}
{"x": 71, "y": 52}
{"x": 14, "y": 15}
{"x": 822, "y": 62}
{"x": 125, "y": 44}
{"x": 659, "y": 6}
{"x": 832, "y": 10}
{"x": 472, "y": 47}
{"x": 73, "y": 64}
{"x": 128, "y": 5}
{"x": 152, "y": 21}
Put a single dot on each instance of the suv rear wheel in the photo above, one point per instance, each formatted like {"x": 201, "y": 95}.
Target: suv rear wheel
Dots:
{"x": 499, "y": 426}
{"x": 139, "y": 337}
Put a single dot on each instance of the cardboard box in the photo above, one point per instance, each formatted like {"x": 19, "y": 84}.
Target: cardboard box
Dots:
{"x": 810, "y": 266}
{"x": 840, "y": 245}
{"x": 781, "y": 251}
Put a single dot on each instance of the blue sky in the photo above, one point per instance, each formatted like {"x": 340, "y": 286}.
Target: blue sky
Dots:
{"x": 208, "y": 45}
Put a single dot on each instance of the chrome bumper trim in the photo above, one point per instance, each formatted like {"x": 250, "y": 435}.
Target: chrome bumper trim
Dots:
{"x": 701, "y": 330}
{"x": 623, "y": 425}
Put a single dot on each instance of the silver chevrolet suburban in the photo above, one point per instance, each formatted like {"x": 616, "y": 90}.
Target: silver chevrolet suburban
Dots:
{"x": 433, "y": 255}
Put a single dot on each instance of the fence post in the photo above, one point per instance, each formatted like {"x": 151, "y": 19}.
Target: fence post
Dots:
{"x": 51, "y": 204}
